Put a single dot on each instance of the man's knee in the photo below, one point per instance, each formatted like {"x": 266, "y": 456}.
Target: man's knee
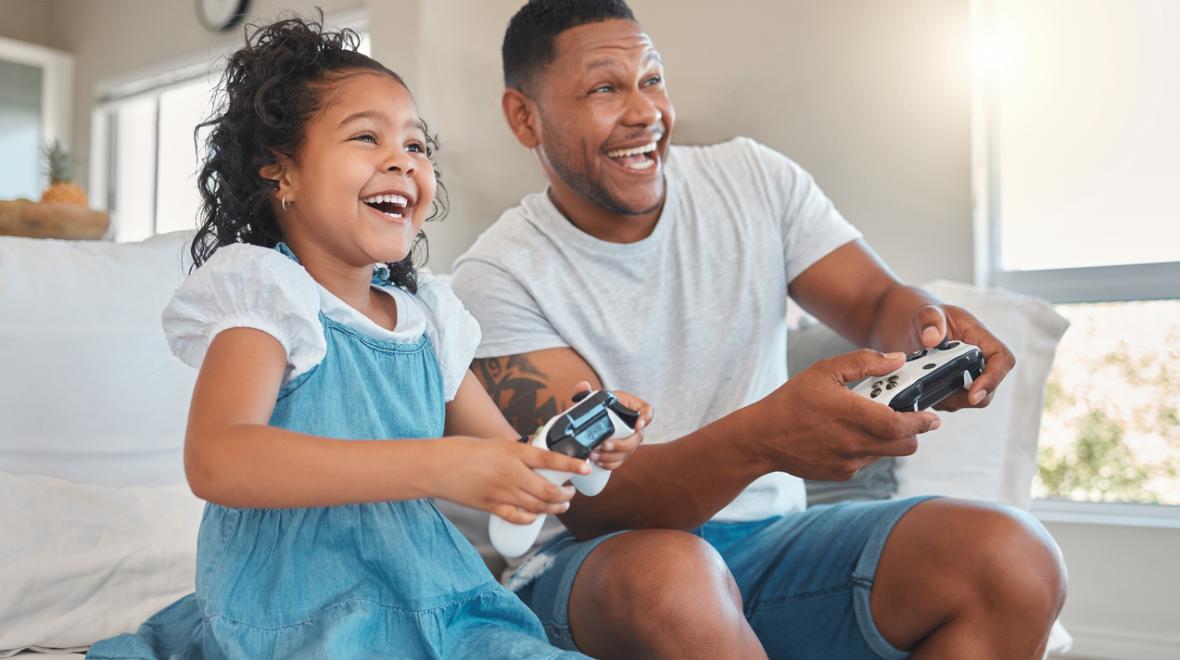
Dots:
{"x": 999, "y": 557}
{"x": 658, "y": 582}
{"x": 1018, "y": 564}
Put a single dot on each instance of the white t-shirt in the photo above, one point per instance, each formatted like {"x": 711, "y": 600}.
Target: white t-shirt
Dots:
{"x": 247, "y": 286}
{"x": 691, "y": 318}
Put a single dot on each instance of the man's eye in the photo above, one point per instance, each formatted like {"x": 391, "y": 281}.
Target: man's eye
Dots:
{"x": 601, "y": 89}
{"x": 654, "y": 80}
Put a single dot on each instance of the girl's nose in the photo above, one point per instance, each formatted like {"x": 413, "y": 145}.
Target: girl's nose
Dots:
{"x": 400, "y": 162}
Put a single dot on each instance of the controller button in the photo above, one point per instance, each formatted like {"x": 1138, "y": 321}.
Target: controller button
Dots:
{"x": 876, "y": 392}
{"x": 915, "y": 355}
{"x": 948, "y": 346}
{"x": 929, "y": 365}
{"x": 578, "y": 396}
{"x": 878, "y": 384}
{"x": 891, "y": 386}
{"x": 894, "y": 378}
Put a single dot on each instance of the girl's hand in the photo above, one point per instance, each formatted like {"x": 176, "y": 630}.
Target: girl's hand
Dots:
{"x": 498, "y": 476}
{"x": 612, "y": 453}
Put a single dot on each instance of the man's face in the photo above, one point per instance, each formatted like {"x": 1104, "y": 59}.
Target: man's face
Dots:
{"x": 605, "y": 116}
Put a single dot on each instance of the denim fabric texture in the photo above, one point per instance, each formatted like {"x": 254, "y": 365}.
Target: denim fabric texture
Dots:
{"x": 805, "y": 578}
{"x": 376, "y": 580}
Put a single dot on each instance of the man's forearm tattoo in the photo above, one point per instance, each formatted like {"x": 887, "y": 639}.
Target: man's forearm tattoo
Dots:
{"x": 518, "y": 388}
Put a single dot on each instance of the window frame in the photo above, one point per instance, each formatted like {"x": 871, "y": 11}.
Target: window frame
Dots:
{"x": 57, "y": 90}
{"x": 156, "y": 80}
{"x": 1115, "y": 283}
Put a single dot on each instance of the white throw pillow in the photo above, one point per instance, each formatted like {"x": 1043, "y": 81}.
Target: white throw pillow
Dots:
{"x": 84, "y": 562}
{"x": 89, "y": 391}
{"x": 990, "y": 454}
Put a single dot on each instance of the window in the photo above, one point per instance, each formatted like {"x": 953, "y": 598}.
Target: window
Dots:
{"x": 35, "y": 101}
{"x": 1076, "y": 127}
{"x": 145, "y": 160}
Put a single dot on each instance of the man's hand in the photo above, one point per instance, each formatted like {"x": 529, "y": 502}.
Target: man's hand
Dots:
{"x": 819, "y": 429}
{"x": 932, "y": 324}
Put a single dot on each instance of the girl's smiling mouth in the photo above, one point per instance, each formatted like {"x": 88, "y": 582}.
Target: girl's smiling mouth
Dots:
{"x": 391, "y": 205}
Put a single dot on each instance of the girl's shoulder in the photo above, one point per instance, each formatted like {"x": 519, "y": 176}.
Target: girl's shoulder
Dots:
{"x": 242, "y": 260}
{"x": 452, "y": 330}
{"x": 442, "y": 306}
{"x": 240, "y": 272}
{"x": 247, "y": 286}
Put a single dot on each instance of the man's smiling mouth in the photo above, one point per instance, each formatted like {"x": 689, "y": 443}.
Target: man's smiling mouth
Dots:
{"x": 640, "y": 158}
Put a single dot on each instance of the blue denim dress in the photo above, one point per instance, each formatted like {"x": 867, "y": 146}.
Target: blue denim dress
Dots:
{"x": 379, "y": 580}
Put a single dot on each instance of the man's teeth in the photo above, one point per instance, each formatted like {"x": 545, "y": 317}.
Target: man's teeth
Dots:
{"x": 386, "y": 199}
{"x": 633, "y": 151}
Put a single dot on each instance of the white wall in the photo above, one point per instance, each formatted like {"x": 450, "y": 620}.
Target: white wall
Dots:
{"x": 117, "y": 38}
{"x": 1123, "y": 587}
{"x": 871, "y": 97}
{"x": 25, "y": 20}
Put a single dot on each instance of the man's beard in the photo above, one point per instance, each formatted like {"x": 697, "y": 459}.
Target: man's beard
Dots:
{"x": 562, "y": 160}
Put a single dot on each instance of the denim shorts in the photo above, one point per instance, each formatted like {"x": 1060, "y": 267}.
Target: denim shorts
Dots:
{"x": 804, "y": 577}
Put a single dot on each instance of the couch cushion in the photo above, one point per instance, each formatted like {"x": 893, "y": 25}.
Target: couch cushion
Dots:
{"x": 88, "y": 389}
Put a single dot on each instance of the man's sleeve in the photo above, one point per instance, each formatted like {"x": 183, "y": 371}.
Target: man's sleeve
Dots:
{"x": 508, "y": 314}
{"x": 810, "y": 224}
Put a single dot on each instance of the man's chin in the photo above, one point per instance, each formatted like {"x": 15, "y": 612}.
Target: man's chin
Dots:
{"x": 642, "y": 206}
{"x": 637, "y": 200}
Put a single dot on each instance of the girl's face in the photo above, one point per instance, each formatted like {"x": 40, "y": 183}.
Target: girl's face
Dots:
{"x": 361, "y": 185}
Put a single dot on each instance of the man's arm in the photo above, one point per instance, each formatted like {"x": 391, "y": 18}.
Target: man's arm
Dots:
{"x": 854, "y": 293}
{"x": 813, "y": 427}
{"x": 674, "y": 485}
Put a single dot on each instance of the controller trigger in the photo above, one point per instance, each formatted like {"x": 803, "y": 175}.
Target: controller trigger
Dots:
{"x": 626, "y": 415}
{"x": 578, "y": 396}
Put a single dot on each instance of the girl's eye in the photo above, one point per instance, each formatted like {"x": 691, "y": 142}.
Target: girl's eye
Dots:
{"x": 416, "y": 147}
{"x": 367, "y": 137}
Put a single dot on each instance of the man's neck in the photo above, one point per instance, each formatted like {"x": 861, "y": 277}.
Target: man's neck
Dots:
{"x": 601, "y": 223}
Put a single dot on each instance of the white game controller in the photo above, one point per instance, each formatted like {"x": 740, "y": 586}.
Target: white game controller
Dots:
{"x": 594, "y": 419}
{"x": 927, "y": 377}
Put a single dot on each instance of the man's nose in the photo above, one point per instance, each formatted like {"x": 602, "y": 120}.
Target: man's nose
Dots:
{"x": 641, "y": 110}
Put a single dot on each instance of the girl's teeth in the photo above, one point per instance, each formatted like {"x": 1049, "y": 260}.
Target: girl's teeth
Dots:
{"x": 387, "y": 199}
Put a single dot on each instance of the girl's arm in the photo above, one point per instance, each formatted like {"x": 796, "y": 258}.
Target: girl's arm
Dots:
{"x": 472, "y": 412}
{"x": 234, "y": 458}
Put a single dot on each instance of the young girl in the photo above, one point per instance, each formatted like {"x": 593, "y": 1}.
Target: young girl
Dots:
{"x": 320, "y": 538}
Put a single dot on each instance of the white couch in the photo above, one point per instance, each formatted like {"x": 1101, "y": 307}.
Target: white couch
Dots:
{"x": 100, "y": 530}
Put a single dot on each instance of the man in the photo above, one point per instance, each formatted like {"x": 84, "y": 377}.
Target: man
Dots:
{"x": 665, "y": 271}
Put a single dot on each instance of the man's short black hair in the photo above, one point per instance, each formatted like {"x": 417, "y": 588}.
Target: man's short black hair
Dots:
{"x": 528, "y": 42}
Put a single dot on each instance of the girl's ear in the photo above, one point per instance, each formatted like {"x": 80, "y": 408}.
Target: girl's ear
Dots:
{"x": 279, "y": 172}
{"x": 520, "y": 111}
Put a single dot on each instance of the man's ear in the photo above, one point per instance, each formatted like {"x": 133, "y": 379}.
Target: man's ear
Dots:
{"x": 521, "y": 113}
{"x": 279, "y": 172}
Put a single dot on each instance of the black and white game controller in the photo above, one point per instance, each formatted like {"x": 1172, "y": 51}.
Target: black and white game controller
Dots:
{"x": 927, "y": 377}
{"x": 595, "y": 418}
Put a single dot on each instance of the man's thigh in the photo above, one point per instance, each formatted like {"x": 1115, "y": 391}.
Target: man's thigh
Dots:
{"x": 805, "y": 578}
{"x": 548, "y": 580}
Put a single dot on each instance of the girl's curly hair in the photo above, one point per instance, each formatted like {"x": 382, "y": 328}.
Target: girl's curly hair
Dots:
{"x": 269, "y": 90}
